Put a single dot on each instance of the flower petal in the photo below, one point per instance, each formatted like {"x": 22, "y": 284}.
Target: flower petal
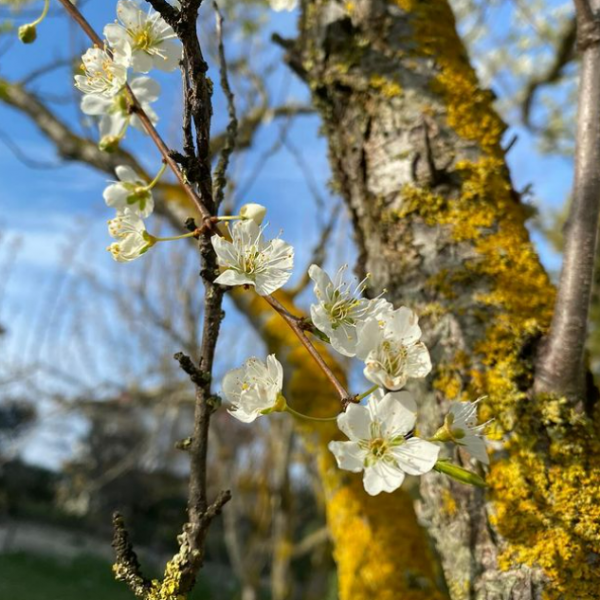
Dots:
{"x": 348, "y": 455}
{"x": 382, "y": 477}
{"x": 419, "y": 362}
{"x": 396, "y": 419}
{"x": 475, "y": 446}
{"x": 355, "y": 422}
{"x": 416, "y": 456}
{"x": 233, "y": 278}
{"x": 127, "y": 174}
{"x": 145, "y": 89}
{"x": 232, "y": 384}
{"x": 94, "y": 105}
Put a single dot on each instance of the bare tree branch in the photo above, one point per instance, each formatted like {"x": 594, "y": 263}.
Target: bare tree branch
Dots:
{"x": 563, "y": 56}
{"x": 560, "y": 365}
{"x": 220, "y": 173}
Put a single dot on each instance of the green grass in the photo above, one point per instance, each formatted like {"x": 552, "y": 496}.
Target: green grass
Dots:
{"x": 29, "y": 577}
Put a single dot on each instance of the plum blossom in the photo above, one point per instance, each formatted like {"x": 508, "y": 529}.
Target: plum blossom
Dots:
{"x": 254, "y": 389}
{"x": 132, "y": 238}
{"x": 460, "y": 426}
{"x": 390, "y": 347}
{"x": 129, "y": 192}
{"x": 341, "y": 309}
{"x": 104, "y": 76}
{"x": 280, "y": 5}
{"x": 145, "y": 36}
{"x": 256, "y": 212}
{"x": 250, "y": 260}
{"x": 380, "y": 442}
{"x": 114, "y": 112}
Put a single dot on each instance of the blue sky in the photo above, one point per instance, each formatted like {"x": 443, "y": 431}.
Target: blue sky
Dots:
{"x": 59, "y": 215}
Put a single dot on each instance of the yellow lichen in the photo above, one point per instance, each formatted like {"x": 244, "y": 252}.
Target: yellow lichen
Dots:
{"x": 387, "y": 87}
{"x": 547, "y": 492}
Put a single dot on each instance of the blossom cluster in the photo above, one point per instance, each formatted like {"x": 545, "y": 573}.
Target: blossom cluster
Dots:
{"x": 382, "y": 441}
{"x": 381, "y": 434}
{"x": 137, "y": 42}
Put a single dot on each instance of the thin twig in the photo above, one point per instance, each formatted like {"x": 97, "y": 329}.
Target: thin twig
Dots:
{"x": 141, "y": 114}
{"x": 219, "y": 177}
{"x": 293, "y": 322}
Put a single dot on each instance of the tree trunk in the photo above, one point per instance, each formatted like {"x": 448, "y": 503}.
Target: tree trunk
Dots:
{"x": 415, "y": 148}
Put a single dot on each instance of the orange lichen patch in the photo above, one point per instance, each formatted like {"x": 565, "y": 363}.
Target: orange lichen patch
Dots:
{"x": 379, "y": 548}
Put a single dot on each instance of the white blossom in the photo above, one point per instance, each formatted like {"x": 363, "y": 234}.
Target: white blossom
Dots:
{"x": 341, "y": 309}
{"x": 250, "y": 260}
{"x": 104, "y": 76}
{"x": 146, "y": 36}
{"x": 254, "y": 389}
{"x": 390, "y": 347}
{"x": 129, "y": 192}
{"x": 132, "y": 238}
{"x": 114, "y": 112}
{"x": 381, "y": 444}
{"x": 256, "y": 212}
{"x": 280, "y": 5}
{"x": 461, "y": 427}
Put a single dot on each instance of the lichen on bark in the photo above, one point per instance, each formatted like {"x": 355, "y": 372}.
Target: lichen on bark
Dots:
{"x": 440, "y": 226}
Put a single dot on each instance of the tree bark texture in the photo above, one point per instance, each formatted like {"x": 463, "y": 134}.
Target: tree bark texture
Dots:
{"x": 415, "y": 148}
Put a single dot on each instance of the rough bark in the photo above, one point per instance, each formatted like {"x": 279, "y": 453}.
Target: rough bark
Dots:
{"x": 415, "y": 147}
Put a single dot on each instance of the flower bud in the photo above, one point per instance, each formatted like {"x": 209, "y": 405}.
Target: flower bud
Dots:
{"x": 256, "y": 212}
{"x": 109, "y": 143}
{"x": 458, "y": 473}
{"x": 28, "y": 33}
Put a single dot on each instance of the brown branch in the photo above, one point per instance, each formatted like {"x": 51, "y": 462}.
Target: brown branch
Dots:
{"x": 69, "y": 145}
{"x": 318, "y": 253}
{"x": 219, "y": 178}
{"x": 127, "y": 567}
{"x": 200, "y": 513}
{"x": 562, "y": 57}
{"x": 560, "y": 364}
{"x": 294, "y": 323}
{"x": 584, "y": 11}
{"x": 141, "y": 114}
{"x": 310, "y": 542}
{"x": 168, "y": 12}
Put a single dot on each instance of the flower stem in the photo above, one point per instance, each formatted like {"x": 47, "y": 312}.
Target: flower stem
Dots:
{"x": 176, "y": 237}
{"x": 307, "y": 418}
{"x": 367, "y": 393}
{"x": 160, "y": 173}
{"x": 43, "y": 15}
{"x": 232, "y": 218}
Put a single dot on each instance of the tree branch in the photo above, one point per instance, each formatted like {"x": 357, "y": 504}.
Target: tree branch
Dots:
{"x": 141, "y": 114}
{"x": 220, "y": 173}
{"x": 293, "y": 322}
{"x": 563, "y": 56}
{"x": 560, "y": 364}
